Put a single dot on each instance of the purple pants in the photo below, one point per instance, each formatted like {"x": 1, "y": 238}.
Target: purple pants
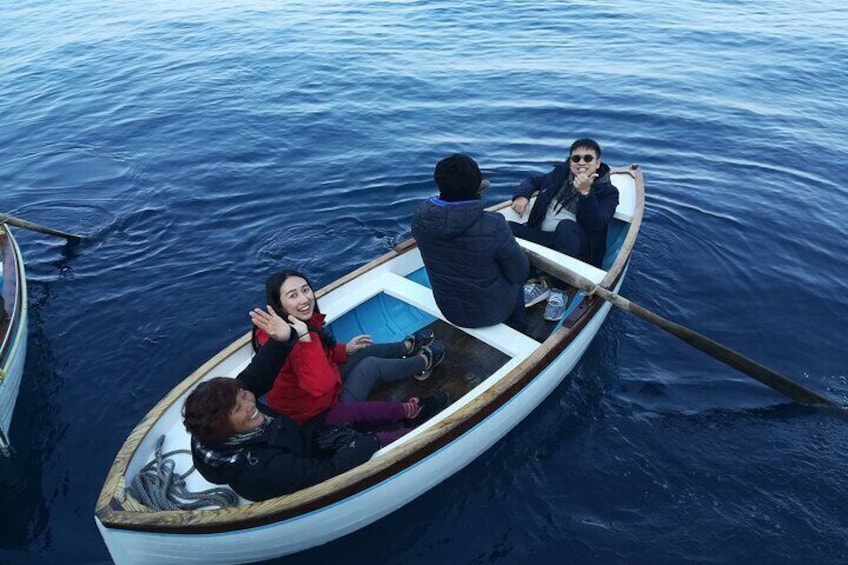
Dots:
{"x": 368, "y": 415}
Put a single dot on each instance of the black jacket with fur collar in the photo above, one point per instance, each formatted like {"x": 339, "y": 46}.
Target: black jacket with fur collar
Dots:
{"x": 281, "y": 460}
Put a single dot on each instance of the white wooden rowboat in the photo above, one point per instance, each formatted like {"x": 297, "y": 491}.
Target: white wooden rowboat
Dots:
{"x": 13, "y": 330}
{"x": 496, "y": 376}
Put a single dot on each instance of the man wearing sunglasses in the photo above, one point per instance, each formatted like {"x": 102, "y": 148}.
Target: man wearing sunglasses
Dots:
{"x": 575, "y": 204}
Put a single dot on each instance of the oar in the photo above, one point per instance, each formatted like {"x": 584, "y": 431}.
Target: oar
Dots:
{"x": 7, "y": 219}
{"x": 712, "y": 348}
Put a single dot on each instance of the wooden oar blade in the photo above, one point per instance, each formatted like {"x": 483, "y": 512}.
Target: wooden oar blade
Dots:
{"x": 13, "y": 221}
{"x": 722, "y": 353}
{"x": 712, "y": 348}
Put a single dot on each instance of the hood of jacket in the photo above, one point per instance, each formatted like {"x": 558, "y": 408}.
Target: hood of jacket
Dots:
{"x": 603, "y": 173}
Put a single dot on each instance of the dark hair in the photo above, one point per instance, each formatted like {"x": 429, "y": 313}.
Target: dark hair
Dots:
{"x": 585, "y": 142}
{"x": 206, "y": 412}
{"x": 458, "y": 178}
{"x": 272, "y": 295}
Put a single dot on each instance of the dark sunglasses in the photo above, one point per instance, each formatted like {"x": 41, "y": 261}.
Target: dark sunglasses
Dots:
{"x": 586, "y": 158}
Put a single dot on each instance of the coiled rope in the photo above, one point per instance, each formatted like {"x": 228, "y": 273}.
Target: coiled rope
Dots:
{"x": 158, "y": 487}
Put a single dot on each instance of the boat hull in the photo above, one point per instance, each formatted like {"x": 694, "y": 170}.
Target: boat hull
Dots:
{"x": 332, "y": 522}
{"x": 15, "y": 338}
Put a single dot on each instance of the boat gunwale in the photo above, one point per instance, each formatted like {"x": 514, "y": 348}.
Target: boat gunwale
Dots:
{"x": 17, "y": 279}
{"x": 111, "y": 514}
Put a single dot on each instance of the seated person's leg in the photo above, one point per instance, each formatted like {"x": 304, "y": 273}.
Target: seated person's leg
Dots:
{"x": 518, "y": 319}
{"x": 570, "y": 239}
{"x": 357, "y": 383}
{"x": 382, "y": 350}
{"x": 357, "y": 413}
{"x": 535, "y": 235}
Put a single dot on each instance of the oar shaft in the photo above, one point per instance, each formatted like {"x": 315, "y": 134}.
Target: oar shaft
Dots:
{"x": 11, "y": 220}
{"x": 712, "y": 348}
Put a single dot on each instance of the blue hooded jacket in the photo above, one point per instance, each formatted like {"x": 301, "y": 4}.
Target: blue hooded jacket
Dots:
{"x": 476, "y": 267}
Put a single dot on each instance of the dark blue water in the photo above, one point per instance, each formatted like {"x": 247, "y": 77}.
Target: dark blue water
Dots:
{"x": 203, "y": 145}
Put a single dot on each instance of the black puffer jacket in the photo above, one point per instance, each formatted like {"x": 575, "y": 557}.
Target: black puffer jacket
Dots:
{"x": 476, "y": 267}
{"x": 594, "y": 212}
{"x": 280, "y": 461}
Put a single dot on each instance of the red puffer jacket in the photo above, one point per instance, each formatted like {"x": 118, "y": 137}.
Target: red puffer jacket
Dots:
{"x": 309, "y": 382}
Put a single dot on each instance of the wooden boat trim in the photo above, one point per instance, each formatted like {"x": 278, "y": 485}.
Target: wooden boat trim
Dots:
{"x": 635, "y": 226}
{"x": 13, "y": 277}
{"x": 110, "y": 510}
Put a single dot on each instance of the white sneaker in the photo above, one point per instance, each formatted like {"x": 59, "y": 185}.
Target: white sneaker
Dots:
{"x": 555, "y": 309}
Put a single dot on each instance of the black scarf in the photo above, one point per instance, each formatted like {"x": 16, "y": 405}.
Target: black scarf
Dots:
{"x": 567, "y": 197}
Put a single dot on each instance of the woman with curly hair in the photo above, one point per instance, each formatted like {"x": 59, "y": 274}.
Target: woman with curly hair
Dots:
{"x": 260, "y": 454}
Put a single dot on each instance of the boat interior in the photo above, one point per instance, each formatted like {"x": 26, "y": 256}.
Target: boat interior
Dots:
{"x": 392, "y": 300}
{"x": 405, "y": 304}
{"x": 472, "y": 355}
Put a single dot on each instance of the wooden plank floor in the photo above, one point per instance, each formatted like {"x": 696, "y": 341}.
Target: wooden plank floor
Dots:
{"x": 467, "y": 363}
{"x": 537, "y": 326}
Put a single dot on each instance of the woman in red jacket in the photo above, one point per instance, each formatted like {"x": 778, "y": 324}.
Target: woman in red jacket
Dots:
{"x": 319, "y": 373}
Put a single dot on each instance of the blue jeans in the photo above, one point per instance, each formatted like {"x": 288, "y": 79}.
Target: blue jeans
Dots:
{"x": 378, "y": 363}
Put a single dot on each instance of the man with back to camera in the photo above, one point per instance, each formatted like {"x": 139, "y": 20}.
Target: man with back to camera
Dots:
{"x": 476, "y": 268}
{"x": 576, "y": 203}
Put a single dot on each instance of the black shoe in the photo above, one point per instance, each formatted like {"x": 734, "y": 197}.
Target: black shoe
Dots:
{"x": 430, "y": 406}
{"x": 435, "y": 354}
{"x": 418, "y": 341}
